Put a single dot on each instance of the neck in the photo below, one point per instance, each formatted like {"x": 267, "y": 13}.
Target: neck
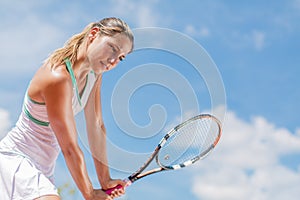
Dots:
{"x": 81, "y": 67}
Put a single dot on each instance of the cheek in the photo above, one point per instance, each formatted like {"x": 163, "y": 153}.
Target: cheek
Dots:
{"x": 98, "y": 49}
{"x": 93, "y": 52}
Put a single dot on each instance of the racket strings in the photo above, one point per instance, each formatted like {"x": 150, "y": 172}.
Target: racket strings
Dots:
{"x": 188, "y": 142}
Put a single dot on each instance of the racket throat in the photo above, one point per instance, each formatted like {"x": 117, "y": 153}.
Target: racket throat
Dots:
{"x": 133, "y": 178}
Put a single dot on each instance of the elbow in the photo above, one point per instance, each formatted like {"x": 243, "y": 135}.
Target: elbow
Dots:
{"x": 100, "y": 126}
{"x": 71, "y": 151}
{"x": 72, "y": 155}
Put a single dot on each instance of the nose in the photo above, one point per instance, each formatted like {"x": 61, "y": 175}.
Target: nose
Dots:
{"x": 112, "y": 62}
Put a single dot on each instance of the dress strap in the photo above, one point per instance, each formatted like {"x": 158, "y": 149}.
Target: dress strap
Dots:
{"x": 69, "y": 67}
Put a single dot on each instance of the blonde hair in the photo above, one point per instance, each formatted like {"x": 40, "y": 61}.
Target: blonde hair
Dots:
{"x": 107, "y": 26}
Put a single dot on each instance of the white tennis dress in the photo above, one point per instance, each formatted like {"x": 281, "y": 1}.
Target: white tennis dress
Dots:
{"x": 29, "y": 151}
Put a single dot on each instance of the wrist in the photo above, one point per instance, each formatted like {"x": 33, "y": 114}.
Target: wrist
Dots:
{"x": 105, "y": 182}
{"x": 88, "y": 195}
{"x": 104, "y": 178}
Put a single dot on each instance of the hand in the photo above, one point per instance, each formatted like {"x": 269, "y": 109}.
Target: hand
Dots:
{"x": 113, "y": 183}
{"x": 99, "y": 194}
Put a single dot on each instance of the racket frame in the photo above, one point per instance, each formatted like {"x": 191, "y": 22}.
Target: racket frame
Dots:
{"x": 140, "y": 174}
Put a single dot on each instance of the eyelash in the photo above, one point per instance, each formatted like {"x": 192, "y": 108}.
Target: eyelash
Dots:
{"x": 121, "y": 58}
{"x": 113, "y": 48}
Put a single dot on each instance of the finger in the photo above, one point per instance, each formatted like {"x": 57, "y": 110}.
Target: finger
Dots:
{"x": 109, "y": 198}
{"x": 121, "y": 191}
{"x": 117, "y": 193}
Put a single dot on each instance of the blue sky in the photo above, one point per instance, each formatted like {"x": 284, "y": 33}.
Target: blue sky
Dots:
{"x": 255, "y": 47}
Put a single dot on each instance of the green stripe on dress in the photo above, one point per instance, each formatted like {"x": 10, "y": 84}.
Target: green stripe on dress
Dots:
{"x": 33, "y": 101}
{"x": 38, "y": 122}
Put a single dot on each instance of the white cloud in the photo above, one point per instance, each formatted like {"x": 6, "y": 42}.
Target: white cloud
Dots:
{"x": 27, "y": 43}
{"x": 259, "y": 39}
{"x": 193, "y": 31}
{"x": 247, "y": 163}
{"x": 5, "y": 123}
{"x": 254, "y": 39}
{"x": 296, "y": 4}
{"x": 145, "y": 14}
{"x": 27, "y": 38}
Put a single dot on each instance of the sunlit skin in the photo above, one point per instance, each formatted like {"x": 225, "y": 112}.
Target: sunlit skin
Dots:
{"x": 52, "y": 85}
{"x": 102, "y": 53}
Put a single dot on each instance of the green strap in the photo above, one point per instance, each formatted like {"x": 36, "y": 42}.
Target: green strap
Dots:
{"x": 39, "y": 122}
{"x": 27, "y": 113}
{"x": 33, "y": 101}
{"x": 42, "y": 123}
{"x": 69, "y": 67}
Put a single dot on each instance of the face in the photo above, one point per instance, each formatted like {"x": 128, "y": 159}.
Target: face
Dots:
{"x": 105, "y": 52}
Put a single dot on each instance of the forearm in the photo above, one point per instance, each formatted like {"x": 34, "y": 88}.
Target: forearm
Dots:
{"x": 98, "y": 149}
{"x": 102, "y": 173}
{"x": 97, "y": 134}
{"x": 75, "y": 161}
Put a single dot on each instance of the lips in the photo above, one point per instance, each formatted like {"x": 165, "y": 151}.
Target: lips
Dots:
{"x": 105, "y": 67}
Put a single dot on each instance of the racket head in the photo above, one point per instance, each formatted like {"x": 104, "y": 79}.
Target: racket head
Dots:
{"x": 189, "y": 142}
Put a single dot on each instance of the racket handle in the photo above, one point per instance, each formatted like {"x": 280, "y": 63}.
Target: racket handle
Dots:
{"x": 109, "y": 191}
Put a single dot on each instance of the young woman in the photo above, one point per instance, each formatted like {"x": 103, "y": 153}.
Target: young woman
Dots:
{"x": 68, "y": 82}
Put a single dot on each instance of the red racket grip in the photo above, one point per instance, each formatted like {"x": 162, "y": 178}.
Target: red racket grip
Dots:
{"x": 109, "y": 191}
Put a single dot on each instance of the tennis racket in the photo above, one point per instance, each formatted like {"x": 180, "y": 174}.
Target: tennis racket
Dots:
{"x": 182, "y": 146}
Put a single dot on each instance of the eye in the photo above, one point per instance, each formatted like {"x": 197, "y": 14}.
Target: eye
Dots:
{"x": 113, "y": 48}
{"x": 121, "y": 58}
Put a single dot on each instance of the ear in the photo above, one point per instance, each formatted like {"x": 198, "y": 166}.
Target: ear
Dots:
{"x": 93, "y": 33}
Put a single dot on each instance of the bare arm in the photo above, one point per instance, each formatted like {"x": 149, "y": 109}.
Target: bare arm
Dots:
{"x": 97, "y": 133}
{"x": 58, "y": 98}
{"x": 97, "y": 137}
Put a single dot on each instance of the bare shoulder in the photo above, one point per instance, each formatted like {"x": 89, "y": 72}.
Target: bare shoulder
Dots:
{"x": 49, "y": 80}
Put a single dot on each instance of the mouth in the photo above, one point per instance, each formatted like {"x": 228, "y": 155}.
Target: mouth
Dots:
{"x": 104, "y": 66}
